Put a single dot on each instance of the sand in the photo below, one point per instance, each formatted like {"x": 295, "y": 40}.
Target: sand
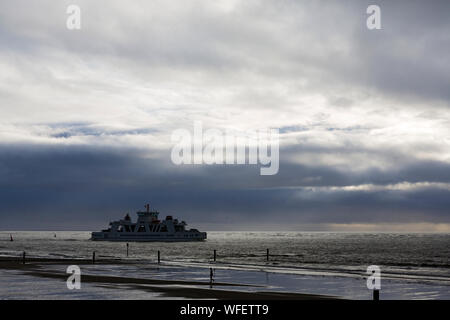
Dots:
{"x": 167, "y": 288}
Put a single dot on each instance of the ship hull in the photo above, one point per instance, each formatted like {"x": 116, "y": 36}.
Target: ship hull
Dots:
{"x": 148, "y": 237}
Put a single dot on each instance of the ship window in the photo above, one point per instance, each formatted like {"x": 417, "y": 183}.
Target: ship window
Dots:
{"x": 163, "y": 229}
{"x": 141, "y": 228}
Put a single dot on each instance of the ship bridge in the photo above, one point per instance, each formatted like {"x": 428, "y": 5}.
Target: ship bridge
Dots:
{"x": 147, "y": 216}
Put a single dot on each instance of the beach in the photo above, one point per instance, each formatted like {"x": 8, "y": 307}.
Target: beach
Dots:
{"x": 42, "y": 268}
{"x": 240, "y": 271}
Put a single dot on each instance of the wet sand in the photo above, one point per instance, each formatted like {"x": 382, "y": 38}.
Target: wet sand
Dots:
{"x": 167, "y": 288}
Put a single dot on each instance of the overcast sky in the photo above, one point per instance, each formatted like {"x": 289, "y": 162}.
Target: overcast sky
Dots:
{"x": 86, "y": 115}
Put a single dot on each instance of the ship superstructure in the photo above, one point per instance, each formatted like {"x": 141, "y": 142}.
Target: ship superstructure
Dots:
{"x": 148, "y": 228}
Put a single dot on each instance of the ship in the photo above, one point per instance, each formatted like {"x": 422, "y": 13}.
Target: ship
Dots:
{"x": 148, "y": 228}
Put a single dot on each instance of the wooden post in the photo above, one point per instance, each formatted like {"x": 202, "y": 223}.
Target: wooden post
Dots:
{"x": 93, "y": 257}
{"x": 267, "y": 255}
{"x": 376, "y": 295}
{"x": 214, "y": 255}
{"x": 23, "y": 258}
{"x": 159, "y": 257}
{"x": 127, "y": 249}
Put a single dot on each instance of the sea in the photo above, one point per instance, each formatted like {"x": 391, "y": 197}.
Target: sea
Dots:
{"x": 412, "y": 265}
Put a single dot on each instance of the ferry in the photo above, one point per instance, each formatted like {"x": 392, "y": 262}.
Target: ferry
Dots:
{"x": 148, "y": 228}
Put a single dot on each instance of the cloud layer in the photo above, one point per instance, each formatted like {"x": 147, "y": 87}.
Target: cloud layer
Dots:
{"x": 86, "y": 116}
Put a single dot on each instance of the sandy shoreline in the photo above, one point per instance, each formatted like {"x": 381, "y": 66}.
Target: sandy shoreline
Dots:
{"x": 167, "y": 288}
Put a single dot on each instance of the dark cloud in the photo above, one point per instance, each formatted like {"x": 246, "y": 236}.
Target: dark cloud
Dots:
{"x": 327, "y": 43}
{"x": 54, "y": 187}
{"x": 408, "y": 56}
